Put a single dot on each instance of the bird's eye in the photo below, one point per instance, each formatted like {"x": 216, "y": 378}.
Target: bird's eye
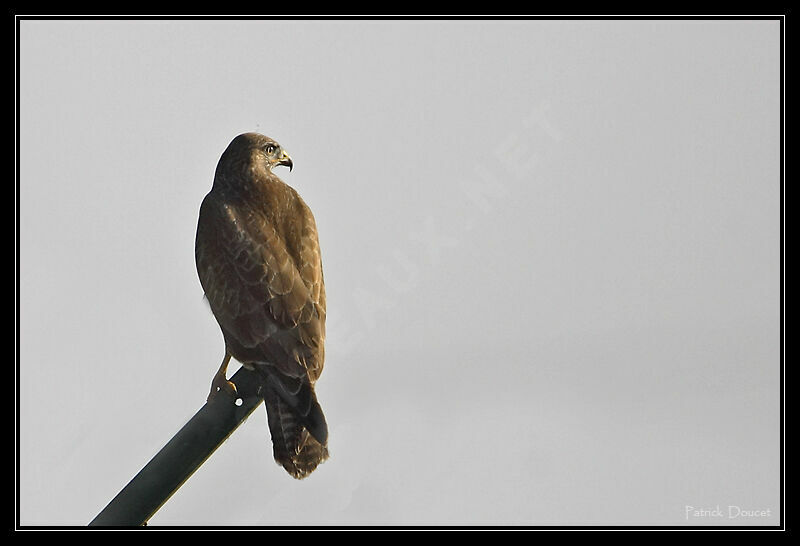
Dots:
{"x": 270, "y": 149}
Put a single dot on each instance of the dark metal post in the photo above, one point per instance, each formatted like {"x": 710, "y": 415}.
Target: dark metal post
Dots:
{"x": 182, "y": 455}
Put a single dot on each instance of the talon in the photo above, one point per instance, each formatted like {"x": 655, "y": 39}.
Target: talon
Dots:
{"x": 218, "y": 386}
{"x": 220, "y": 380}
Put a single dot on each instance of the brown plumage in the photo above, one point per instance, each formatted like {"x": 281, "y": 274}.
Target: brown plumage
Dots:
{"x": 258, "y": 260}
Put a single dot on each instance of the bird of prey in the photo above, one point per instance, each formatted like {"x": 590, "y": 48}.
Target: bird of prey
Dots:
{"x": 258, "y": 259}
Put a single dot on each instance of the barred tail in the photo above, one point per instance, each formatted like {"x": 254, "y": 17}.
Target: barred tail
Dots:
{"x": 293, "y": 446}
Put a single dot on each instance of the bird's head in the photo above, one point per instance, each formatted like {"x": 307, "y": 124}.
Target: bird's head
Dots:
{"x": 254, "y": 151}
{"x": 265, "y": 149}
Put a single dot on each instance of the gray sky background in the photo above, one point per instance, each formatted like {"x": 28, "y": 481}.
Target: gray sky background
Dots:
{"x": 551, "y": 254}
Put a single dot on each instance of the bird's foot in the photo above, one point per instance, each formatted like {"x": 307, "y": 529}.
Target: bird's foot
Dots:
{"x": 219, "y": 385}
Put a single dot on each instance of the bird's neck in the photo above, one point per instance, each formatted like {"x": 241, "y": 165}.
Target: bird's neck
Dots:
{"x": 261, "y": 190}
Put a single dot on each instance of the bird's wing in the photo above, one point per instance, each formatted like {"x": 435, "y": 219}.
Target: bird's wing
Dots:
{"x": 265, "y": 288}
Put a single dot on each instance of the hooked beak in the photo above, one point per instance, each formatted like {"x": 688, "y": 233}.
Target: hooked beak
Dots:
{"x": 285, "y": 160}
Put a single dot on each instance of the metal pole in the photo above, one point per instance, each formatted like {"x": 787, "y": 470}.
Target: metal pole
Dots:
{"x": 182, "y": 455}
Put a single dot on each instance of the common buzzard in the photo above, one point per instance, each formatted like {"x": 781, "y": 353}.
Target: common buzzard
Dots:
{"x": 258, "y": 258}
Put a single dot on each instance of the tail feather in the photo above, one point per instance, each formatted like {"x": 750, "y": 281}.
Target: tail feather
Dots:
{"x": 293, "y": 446}
{"x": 298, "y": 394}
